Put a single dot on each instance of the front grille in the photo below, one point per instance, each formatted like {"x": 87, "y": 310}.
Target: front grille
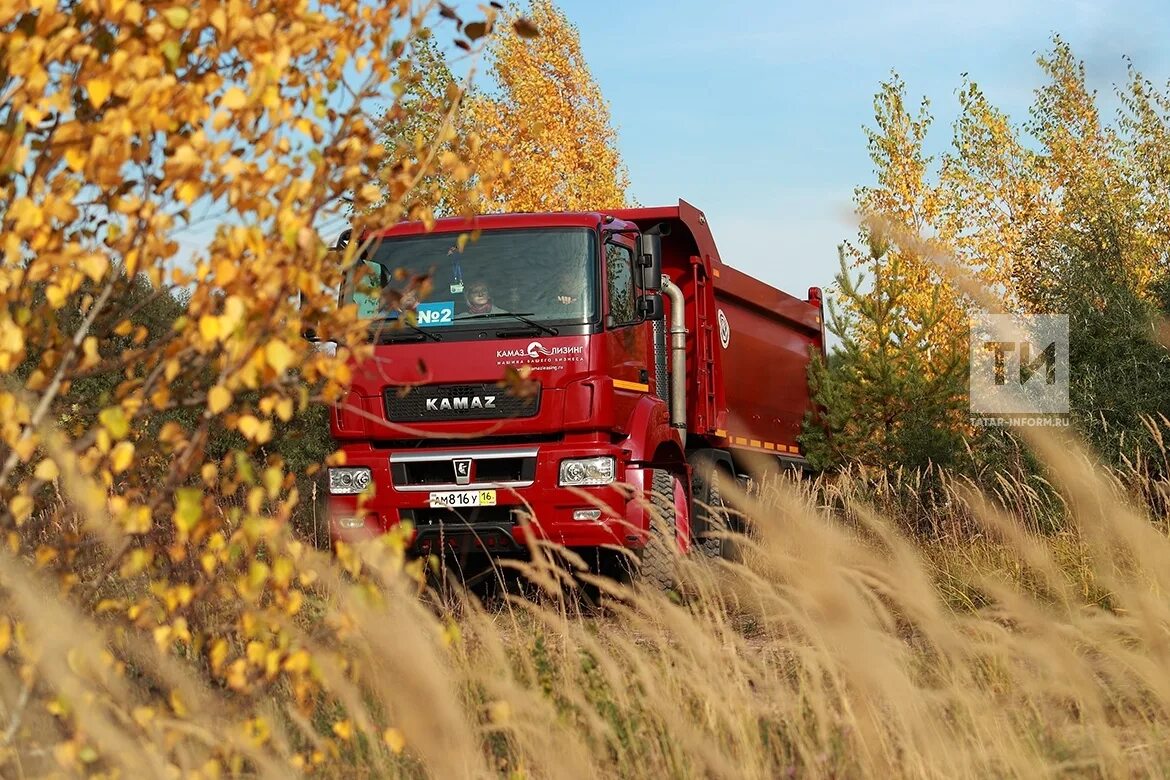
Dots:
{"x": 486, "y": 469}
{"x": 444, "y": 403}
{"x": 426, "y": 472}
{"x": 503, "y": 469}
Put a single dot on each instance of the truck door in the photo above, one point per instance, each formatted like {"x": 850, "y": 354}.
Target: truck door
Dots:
{"x": 627, "y": 341}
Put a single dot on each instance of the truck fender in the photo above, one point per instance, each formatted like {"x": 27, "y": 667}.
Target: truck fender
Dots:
{"x": 652, "y": 444}
{"x": 652, "y": 440}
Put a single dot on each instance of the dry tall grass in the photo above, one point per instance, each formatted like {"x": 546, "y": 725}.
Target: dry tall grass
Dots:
{"x": 840, "y": 647}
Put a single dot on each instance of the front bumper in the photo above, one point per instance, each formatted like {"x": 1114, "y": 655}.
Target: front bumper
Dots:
{"x": 529, "y": 509}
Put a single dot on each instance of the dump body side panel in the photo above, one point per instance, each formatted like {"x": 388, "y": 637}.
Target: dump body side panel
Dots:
{"x": 765, "y": 347}
{"x": 748, "y": 343}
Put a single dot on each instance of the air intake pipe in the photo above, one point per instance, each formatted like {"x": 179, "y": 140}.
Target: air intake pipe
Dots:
{"x": 661, "y": 376}
{"x": 678, "y": 353}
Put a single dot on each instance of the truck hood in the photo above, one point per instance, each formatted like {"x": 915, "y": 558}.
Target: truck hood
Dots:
{"x": 489, "y": 387}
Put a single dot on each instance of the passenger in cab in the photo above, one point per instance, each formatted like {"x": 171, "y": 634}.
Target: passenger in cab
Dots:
{"x": 479, "y": 298}
{"x": 565, "y": 296}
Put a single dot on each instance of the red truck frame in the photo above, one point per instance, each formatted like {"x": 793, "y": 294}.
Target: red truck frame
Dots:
{"x": 619, "y": 422}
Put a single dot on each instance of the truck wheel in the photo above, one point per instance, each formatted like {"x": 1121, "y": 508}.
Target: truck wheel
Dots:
{"x": 661, "y": 550}
{"x": 709, "y": 510}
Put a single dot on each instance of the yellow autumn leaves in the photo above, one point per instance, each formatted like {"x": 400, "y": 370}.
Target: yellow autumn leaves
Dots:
{"x": 11, "y": 343}
{"x": 539, "y": 138}
{"x": 170, "y": 175}
{"x": 218, "y": 399}
{"x": 549, "y": 121}
{"x": 1006, "y": 206}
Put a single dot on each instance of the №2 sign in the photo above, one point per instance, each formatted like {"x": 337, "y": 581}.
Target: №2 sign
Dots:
{"x": 436, "y": 314}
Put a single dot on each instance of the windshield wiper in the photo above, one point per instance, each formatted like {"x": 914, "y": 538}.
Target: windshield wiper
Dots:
{"x": 522, "y": 316}
{"x": 390, "y": 331}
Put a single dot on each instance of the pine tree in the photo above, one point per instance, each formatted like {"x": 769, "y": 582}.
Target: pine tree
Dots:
{"x": 892, "y": 392}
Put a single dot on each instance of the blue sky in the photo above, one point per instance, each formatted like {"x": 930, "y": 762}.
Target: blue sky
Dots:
{"x": 753, "y": 111}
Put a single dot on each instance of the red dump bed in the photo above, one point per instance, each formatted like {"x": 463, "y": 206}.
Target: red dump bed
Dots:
{"x": 765, "y": 355}
{"x": 748, "y": 344}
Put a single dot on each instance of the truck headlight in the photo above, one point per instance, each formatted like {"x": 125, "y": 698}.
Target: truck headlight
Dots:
{"x": 348, "y": 480}
{"x": 576, "y": 472}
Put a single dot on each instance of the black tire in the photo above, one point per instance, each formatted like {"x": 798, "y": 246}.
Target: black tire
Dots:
{"x": 710, "y": 520}
{"x": 718, "y": 529}
{"x": 661, "y": 551}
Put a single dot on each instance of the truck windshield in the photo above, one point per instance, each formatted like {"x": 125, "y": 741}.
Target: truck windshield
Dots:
{"x": 542, "y": 275}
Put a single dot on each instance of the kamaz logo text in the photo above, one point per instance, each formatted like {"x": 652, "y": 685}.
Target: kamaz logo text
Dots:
{"x": 461, "y": 403}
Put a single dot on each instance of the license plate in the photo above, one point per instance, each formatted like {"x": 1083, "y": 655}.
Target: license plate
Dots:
{"x": 457, "y": 499}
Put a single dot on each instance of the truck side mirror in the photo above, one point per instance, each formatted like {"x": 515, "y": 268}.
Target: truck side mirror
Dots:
{"x": 308, "y": 321}
{"x": 650, "y": 262}
{"x": 309, "y": 333}
{"x": 333, "y": 256}
{"x": 650, "y": 306}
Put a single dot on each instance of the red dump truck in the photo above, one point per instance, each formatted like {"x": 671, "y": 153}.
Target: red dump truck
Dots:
{"x": 555, "y": 376}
